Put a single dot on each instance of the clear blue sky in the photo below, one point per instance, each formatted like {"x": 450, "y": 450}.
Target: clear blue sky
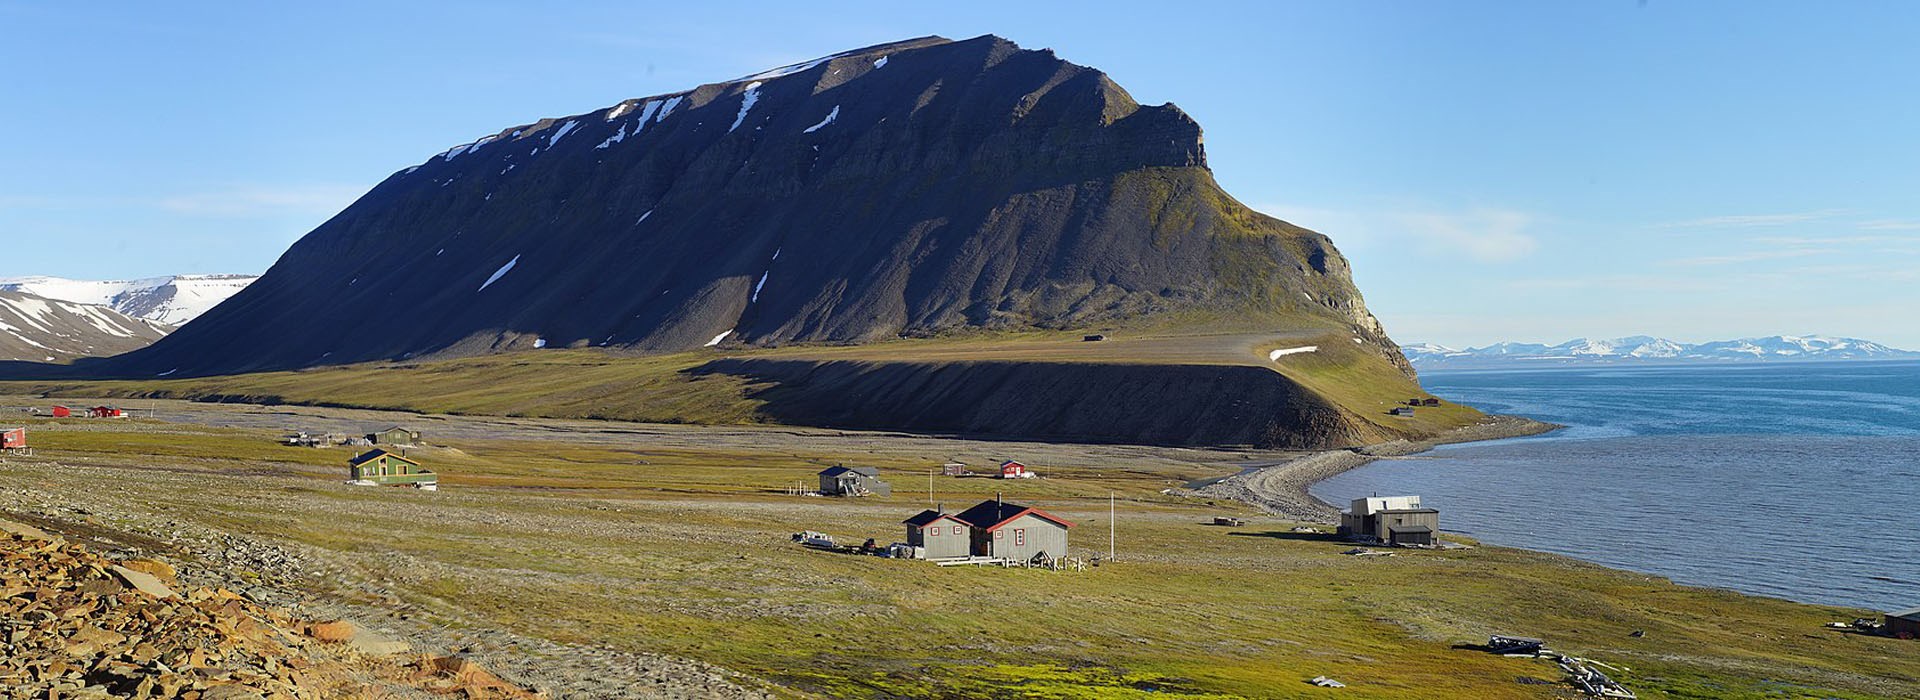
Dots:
{"x": 1495, "y": 170}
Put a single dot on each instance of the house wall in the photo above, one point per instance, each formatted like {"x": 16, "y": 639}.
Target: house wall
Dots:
{"x": 1383, "y": 521}
{"x": 1898, "y": 625}
{"x": 947, "y": 544}
{"x": 1042, "y": 535}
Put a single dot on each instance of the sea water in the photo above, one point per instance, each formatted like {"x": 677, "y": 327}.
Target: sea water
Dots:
{"x": 1800, "y": 481}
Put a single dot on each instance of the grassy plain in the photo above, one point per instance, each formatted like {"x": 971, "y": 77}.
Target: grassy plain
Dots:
{"x": 595, "y": 384}
{"x": 674, "y": 540}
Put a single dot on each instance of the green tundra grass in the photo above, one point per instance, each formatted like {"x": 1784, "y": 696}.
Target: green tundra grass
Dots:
{"x": 586, "y": 383}
{"x": 679, "y": 545}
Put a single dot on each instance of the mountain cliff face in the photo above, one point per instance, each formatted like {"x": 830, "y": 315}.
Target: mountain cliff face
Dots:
{"x": 911, "y": 189}
{"x": 37, "y": 329}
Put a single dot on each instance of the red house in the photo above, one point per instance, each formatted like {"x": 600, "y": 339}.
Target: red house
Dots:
{"x": 106, "y": 412}
{"x": 13, "y": 439}
{"x": 1013, "y": 470}
{"x": 62, "y": 412}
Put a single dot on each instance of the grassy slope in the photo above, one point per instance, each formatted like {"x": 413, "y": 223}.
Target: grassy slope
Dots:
{"x": 682, "y": 550}
{"x": 594, "y": 384}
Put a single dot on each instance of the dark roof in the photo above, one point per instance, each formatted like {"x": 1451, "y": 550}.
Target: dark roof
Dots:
{"x": 371, "y": 455}
{"x": 990, "y": 515}
{"x": 837, "y": 470}
{"x": 1912, "y": 614}
{"x": 1409, "y": 528}
{"x": 1402, "y": 511}
{"x": 927, "y": 517}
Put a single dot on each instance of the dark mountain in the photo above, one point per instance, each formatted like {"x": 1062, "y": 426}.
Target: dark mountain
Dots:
{"x": 911, "y": 189}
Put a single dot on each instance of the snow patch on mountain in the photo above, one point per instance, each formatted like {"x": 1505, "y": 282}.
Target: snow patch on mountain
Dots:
{"x": 171, "y": 300}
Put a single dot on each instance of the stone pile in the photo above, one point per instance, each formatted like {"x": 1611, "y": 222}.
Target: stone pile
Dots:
{"x": 77, "y": 624}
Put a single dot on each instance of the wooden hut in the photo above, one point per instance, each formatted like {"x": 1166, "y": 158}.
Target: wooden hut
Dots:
{"x": 383, "y": 468}
{"x": 1390, "y": 519}
{"x": 1015, "y": 532}
{"x": 13, "y": 439}
{"x": 939, "y": 535}
{"x": 1904, "y": 624}
{"x": 841, "y": 480}
{"x": 395, "y": 435}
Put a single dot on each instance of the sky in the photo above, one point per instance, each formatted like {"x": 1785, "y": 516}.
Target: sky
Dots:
{"x": 1521, "y": 171}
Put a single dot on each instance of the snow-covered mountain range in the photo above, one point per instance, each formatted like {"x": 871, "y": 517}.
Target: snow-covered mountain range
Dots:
{"x": 171, "y": 300}
{"x": 37, "y": 329}
{"x": 1648, "y": 348}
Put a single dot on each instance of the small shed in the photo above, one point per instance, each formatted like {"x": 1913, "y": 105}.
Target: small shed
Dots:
{"x": 383, "y": 468}
{"x": 13, "y": 439}
{"x": 1904, "y": 624}
{"x": 1014, "y": 470}
{"x": 954, "y": 469}
{"x": 1095, "y": 338}
{"x": 1015, "y": 532}
{"x": 62, "y": 412}
{"x": 939, "y": 535}
{"x": 842, "y": 480}
{"x": 395, "y": 435}
{"x": 1402, "y": 411}
{"x": 105, "y": 412}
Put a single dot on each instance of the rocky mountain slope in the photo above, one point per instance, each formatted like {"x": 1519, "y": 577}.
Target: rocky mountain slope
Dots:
{"x": 171, "y": 300}
{"x": 920, "y": 188}
{"x": 36, "y": 329}
{"x": 1647, "y": 348}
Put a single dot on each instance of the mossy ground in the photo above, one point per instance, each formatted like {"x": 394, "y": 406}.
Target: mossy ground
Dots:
{"x": 680, "y": 546}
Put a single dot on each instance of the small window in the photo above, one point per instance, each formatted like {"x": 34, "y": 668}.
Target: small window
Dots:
{"x": 999, "y": 534}
{"x": 956, "y": 529}
{"x": 1020, "y": 538}
{"x": 933, "y": 531}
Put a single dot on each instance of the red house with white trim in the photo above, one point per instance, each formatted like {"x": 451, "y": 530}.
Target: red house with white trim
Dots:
{"x": 13, "y": 439}
{"x": 1014, "y": 470}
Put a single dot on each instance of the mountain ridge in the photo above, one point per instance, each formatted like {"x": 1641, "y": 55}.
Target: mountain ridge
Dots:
{"x": 1642, "y": 348}
{"x": 910, "y": 189}
{"x": 169, "y": 299}
{"x": 38, "y": 329}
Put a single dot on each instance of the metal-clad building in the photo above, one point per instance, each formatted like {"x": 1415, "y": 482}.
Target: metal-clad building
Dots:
{"x": 941, "y": 536}
{"x": 842, "y": 480}
{"x": 1009, "y": 531}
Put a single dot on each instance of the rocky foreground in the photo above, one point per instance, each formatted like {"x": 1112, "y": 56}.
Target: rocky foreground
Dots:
{"x": 80, "y": 624}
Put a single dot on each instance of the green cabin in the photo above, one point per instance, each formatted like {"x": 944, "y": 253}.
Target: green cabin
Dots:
{"x": 383, "y": 468}
{"x": 395, "y": 435}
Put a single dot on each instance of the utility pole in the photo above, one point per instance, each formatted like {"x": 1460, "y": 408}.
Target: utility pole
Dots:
{"x": 1110, "y": 514}
{"x": 929, "y": 486}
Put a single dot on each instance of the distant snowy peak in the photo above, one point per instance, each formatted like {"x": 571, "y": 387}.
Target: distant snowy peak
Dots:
{"x": 1640, "y": 347}
{"x": 171, "y": 300}
{"x": 38, "y": 329}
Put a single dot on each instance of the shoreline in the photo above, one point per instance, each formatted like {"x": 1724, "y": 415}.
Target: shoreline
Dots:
{"x": 1284, "y": 489}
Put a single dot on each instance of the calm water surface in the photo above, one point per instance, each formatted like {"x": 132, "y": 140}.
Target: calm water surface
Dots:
{"x": 1800, "y": 481}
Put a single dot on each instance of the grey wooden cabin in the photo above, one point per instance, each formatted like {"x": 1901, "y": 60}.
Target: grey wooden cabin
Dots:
{"x": 939, "y": 535}
{"x": 1391, "y": 519}
{"x": 1015, "y": 532}
{"x": 840, "y": 480}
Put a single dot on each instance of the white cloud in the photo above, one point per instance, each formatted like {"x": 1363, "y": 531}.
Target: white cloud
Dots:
{"x": 1890, "y": 225}
{"x": 1487, "y": 235}
{"x": 1753, "y": 220}
{"x": 251, "y": 201}
{"x": 1750, "y": 256}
